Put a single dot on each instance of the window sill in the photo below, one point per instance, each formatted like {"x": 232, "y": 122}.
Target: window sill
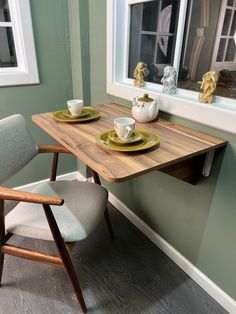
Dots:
{"x": 184, "y": 104}
{"x": 14, "y": 77}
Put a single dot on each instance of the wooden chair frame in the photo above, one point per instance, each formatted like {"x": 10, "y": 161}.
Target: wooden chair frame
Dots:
{"x": 63, "y": 260}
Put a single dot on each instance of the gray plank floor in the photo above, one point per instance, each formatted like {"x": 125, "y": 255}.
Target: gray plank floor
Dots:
{"x": 126, "y": 275}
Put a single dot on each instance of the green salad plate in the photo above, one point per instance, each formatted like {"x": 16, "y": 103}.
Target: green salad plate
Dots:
{"x": 148, "y": 140}
{"x": 87, "y": 115}
{"x": 81, "y": 115}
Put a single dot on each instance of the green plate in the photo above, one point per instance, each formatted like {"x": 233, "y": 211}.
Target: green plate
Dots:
{"x": 91, "y": 114}
{"x": 149, "y": 140}
{"x": 69, "y": 115}
{"x": 135, "y": 137}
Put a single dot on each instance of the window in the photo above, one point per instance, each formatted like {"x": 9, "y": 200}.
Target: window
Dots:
{"x": 18, "y": 64}
{"x": 193, "y": 36}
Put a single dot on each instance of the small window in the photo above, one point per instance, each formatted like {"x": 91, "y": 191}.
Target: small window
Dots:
{"x": 17, "y": 53}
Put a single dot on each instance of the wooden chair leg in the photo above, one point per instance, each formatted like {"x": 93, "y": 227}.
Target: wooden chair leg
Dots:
{"x": 64, "y": 256}
{"x": 96, "y": 179}
{"x": 108, "y": 222}
{"x": 54, "y": 167}
{"x": 2, "y": 237}
{"x": 1, "y": 267}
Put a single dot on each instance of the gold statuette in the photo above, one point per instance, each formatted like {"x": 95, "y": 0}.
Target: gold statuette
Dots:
{"x": 139, "y": 74}
{"x": 209, "y": 83}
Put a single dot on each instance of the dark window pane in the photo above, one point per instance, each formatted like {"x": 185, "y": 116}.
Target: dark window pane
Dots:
{"x": 230, "y": 52}
{"x": 164, "y": 50}
{"x": 147, "y": 48}
{"x": 156, "y": 49}
{"x": 221, "y": 50}
{"x": 230, "y": 2}
{"x": 225, "y": 28}
{"x": 135, "y": 37}
{"x": 233, "y": 26}
{"x": 7, "y": 48}
{"x": 4, "y": 11}
{"x": 150, "y": 12}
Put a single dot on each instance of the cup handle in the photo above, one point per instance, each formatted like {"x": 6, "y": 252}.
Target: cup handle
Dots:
{"x": 128, "y": 131}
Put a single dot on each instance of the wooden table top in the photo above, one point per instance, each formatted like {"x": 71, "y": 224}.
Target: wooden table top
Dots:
{"x": 177, "y": 143}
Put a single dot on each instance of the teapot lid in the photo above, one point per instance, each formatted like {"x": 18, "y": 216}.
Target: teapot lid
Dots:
{"x": 145, "y": 98}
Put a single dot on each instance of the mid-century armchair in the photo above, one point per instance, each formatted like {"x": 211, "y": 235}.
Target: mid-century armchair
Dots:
{"x": 63, "y": 211}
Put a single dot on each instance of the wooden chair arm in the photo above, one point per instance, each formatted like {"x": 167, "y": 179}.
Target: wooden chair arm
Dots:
{"x": 11, "y": 194}
{"x": 55, "y": 149}
{"x": 48, "y": 148}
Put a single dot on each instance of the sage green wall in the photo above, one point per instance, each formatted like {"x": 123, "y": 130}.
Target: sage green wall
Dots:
{"x": 51, "y": 33}
{"x": 75, "y": 49}
{"x": 199, "y": 221}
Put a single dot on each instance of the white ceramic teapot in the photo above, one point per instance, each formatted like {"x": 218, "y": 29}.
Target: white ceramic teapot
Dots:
{"x": 144, "y": 109}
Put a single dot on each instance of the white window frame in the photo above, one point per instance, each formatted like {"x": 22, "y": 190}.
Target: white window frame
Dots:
{"x": 221, "y": 114}
{"x": 26, "y": 71}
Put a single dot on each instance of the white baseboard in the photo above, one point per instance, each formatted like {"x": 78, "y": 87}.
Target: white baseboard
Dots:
{"x": 228, "y": 303}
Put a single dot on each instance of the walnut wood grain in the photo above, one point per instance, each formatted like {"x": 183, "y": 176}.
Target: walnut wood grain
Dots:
{"x": 53, "y": 149}
{"x": 177, "y": 143}
{"x": 11, "y": 194}
{"x": 31, "y": 255}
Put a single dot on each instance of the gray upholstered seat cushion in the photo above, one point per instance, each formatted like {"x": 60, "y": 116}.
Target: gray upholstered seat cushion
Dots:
{"x": 83, "y": 208}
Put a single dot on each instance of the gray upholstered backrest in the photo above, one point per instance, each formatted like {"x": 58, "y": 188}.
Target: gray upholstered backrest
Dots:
{"x": 17, "y": 146}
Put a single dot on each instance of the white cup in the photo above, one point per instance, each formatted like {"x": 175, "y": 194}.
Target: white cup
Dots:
{"x": 75, "y": 106}
{"x": 124, "y": 127}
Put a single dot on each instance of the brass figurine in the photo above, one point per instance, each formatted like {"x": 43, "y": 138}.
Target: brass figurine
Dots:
{"x": 209, "y": 83}
{"x": 139, "y": 74}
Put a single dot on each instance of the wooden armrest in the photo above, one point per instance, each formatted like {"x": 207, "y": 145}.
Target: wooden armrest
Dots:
{"x": 53, "y": 149}
{"x": 11, "y": 194}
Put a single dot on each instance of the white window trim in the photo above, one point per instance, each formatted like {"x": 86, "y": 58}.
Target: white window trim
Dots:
{"x": 27, "y": 71}
{"x": 221, "y": 114}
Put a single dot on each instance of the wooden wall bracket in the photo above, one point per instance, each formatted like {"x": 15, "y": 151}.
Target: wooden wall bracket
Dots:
{"x": 188, "y": 170}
